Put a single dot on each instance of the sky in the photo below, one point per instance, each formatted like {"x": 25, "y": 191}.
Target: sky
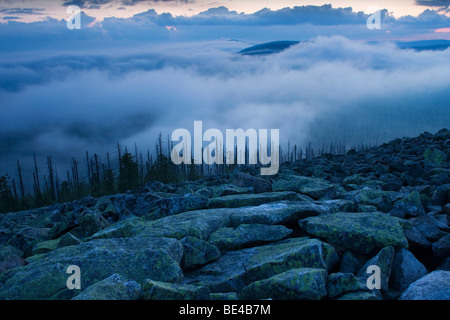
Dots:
{"x": 139, "y": 67}
{"x": 127, "y": 8}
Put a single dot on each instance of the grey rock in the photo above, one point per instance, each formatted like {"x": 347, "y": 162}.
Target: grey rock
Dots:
{"x": 114, "y": 287}
{"x": 259, "y": 185}
{"x": 405, "y": 270}
{"x": 295, "y": 284}
{"x": 197, "y": 252}
{"x": 157, "y": 290}
{"x": 433, "y": 286}
{"x": 242, "y": 200}
{"x": 236, "y": 269}
{"x": 312, "y": 187}
{"x": 224, "y": 296}
{"x": 360, "y": 232}
{"x": 360, "y": 295}
{"x": 383, "y": 260}
{"x": 416, "y": 239}
{"x": 351, "y": 262}
{"x": 339, "y": 283}
{"x": 287, "y": 212}
{"x": 441, "y": 248}
{"x": 134, "y": 258}
{"x": 247, "y": 235}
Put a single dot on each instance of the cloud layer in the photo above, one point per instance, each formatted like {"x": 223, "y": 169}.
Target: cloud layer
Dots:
{"x": 327, "y": 90}
{"x": 63, "y": 91}
{"x": 297, "y": 23}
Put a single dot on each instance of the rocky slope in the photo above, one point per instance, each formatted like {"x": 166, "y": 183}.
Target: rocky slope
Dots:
{"x": 310, "y": 232}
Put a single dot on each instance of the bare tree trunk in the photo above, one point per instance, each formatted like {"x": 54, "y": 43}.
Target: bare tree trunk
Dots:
{"x": 37, "y": 175}
{"x": 20, "y": 179}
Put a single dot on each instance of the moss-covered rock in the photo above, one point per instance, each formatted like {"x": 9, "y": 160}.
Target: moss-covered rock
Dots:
{"x": 434, "y": 156}
{"x": 10, "y": 258}
{"x": 90, "y": 222}
{"x": 199, "y": 224}
{"x": 174, "y": 205}
{"x": 122, "y": 229}
{"x": 224, "y": 296}
{"x": 411, "y": 206}
{"x": 357, "y": 231}
{"x": 366, "y": 208}
{"x": 353, "y": 179}
{"x": 360, "y": 295}
{"x": 312, "y": 187}
{"x": 382, "y": 200}
{"x": 45, "y": 246}
{"x": 236, "y": 269}
{"x": 197, "y": 252}
{"x": 229, "y": 190}
{"x": 157, "y": 290}
{"x": 287, "y": 212}
{"x": 247, "y": 235}
{"x": 295, "y": 284}
{"x": 242, "y": 200}
{"x": 8, "y": 252}
{"x": 339, "y": 283}
{"x": 68, "y": 239}
{"x": 26, "y": 238}
{"x": 134, "y": 258}
{"x": 114, "y": 287}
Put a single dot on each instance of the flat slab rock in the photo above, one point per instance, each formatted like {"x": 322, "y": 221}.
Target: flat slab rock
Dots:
{"x": 242, "y": 200}
{"x": 247, "y": 235}
{"x": 202, "y": 223}
{"x": 357, "y": 231}
{"x": 138, "y": 259}
{"x": 312, "y": 187}
{"x": 237, "y": 269}
{"x": 295, "y": 284}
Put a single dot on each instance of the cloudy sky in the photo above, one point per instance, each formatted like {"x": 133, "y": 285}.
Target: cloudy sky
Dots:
{"x": 138, "y": 67}
{"x": 126, "y": 8}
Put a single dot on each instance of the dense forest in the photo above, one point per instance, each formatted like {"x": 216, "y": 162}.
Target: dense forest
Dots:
{"x": 130, "y": 170}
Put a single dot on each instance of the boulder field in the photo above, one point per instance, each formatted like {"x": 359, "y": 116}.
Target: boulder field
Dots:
{"x": 311, "y": 232}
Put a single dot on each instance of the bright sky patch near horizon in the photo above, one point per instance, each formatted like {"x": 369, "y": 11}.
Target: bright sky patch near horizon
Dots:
{"x": 36, "y": 10}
